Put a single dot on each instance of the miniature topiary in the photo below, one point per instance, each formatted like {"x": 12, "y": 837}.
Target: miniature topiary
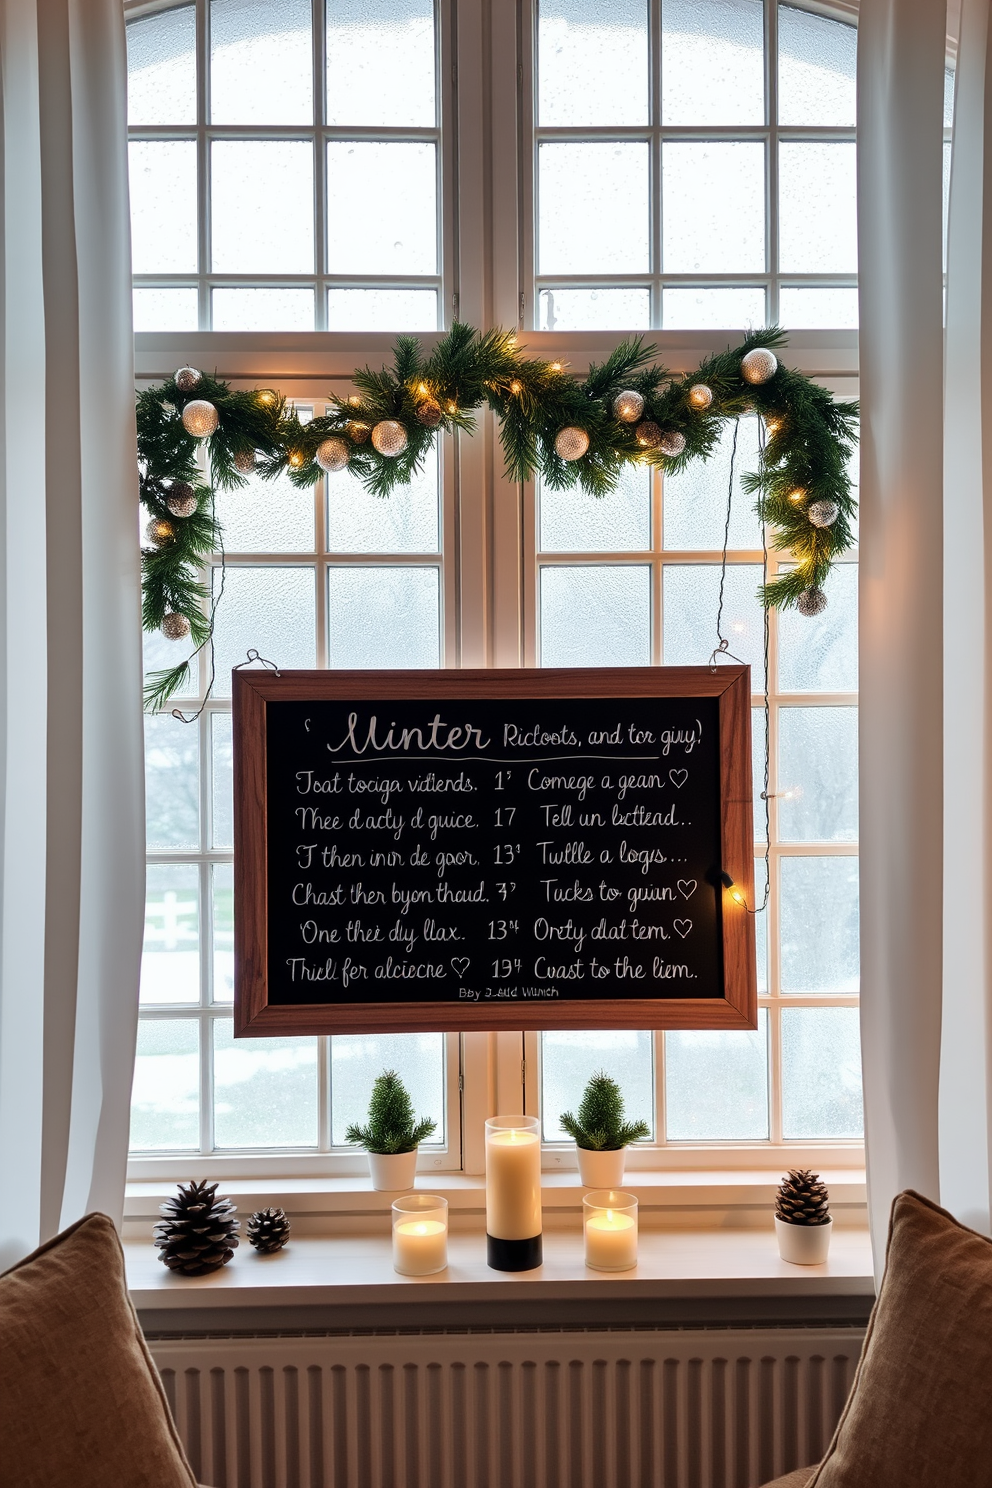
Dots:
{"x": 391, "y": 1127}
{"x": 599, "y": 1126}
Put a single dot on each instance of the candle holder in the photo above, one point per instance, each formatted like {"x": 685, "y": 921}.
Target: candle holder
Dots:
{"x": 513, "y": 1193}
{"x": 420, "y": 1234}
{"x": 609, "y": 1227}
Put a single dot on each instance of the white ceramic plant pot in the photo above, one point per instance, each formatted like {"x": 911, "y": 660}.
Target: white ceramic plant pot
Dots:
{"x": 393, "y": 1171}
{"x": 803, "y": 1245}
{"x": 601, "y": 1169}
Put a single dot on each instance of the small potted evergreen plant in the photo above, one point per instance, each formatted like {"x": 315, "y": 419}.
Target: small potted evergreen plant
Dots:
{"x": 802, "y": 1218}
{"x": 601, "y": 1133}
{"x": 392, "y": 1134}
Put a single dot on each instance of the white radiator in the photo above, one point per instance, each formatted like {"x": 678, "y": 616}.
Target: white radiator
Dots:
{"x": 537, "y": 1409}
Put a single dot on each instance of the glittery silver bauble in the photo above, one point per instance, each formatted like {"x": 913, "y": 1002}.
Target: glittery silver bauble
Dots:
{"x": 175, "y": 626}
{"x": 822, "y": 513}
{"x": 649, "y": 435}
{"x": 571, "y": 443}
{"x": 811, "y": 602}
{"x": 358, "y": 433}
{"x": 159, "y": 532}
{"x": 244, "y": 462}
{"x": 671, "y": 443}
{"x": 759, "y": 365}
{"x": 389, "y": 438}
{"x": 181, "y": 499}
{"x": 628, "y": 406}
{"x": 200, "y": 418}
{"x": 700, "y": 396}
{"x": 429, "y": 413}
{"x": 332, "y": 454}
{"x": 187, "y": 379}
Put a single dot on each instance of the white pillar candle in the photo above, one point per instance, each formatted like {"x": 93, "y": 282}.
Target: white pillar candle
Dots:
{"x": 420, "y": 1235}
{"x": 610, "y": 1228}
{"x": 513, "y": 1181}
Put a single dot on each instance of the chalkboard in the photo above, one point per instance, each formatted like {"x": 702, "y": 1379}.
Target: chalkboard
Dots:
{"x": 497, "y": 849}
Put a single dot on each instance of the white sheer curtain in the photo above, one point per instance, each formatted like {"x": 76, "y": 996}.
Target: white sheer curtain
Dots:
{"x": 71, "y": 850}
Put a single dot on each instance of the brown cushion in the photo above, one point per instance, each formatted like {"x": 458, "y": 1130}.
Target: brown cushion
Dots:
{"x": 81, "y": 1403}
{"x": 920, "y": 1411}
{"x": 798, "y": 1479}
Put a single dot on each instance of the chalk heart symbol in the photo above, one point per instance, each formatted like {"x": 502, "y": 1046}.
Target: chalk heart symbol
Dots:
{"x": 678, "y": 777}
{"x": 686, "y": 887}
{"x": 460, "y": 965}
{"x": 682, "y": 927}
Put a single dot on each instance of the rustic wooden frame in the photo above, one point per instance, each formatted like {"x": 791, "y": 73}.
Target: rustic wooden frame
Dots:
{"x": 254, "y": 1016}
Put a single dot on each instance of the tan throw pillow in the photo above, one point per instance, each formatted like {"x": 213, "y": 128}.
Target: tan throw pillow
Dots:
{"x": 920, "y": 1409}
{"x": 81, "y": 1404}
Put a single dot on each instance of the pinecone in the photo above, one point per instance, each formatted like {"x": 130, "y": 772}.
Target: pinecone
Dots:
{"x": 802, "y": 1199}
{"x": 268, "y": 1229}
{"x": 199, "y": 1231}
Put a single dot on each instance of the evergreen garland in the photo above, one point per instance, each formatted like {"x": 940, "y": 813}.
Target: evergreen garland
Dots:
{"x": 599, "y": 1125}
{"x": 802, "y": 473}
{"x": 392, "y": 1126}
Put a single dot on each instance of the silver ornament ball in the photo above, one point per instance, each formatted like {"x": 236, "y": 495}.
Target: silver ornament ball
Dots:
{"x": 811, "y": 602}
{"x": 628, "y": 406}
{"x": 671, "y": 443}
{"x": 571, "y": 443}
{"x": 332, "y": 454}
{"x": 822, "y": 513}
{"x": 200, "y": 418}
{"x": 700, "y": 396}
{"x": 187, "y": 379}
{"x": 181, "y": 499}
{"x": 758, "y": 365}
{"x": 649, "y": 434}
{"x": 429, "y": 413}
{"x": 389, "y": 438}
{"x": 159, "y": 532}
{"x": 244, "y": 462}
{"x": 175, "y": 626}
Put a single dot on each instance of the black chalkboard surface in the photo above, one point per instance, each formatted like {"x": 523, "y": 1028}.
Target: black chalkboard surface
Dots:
{"x": 492, "y": 849}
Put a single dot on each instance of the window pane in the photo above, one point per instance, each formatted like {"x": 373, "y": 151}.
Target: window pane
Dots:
{"x": 569, "y": 1059}
{"x": 356, "y": 1060}
{"x": 165, "y": 1095}
{"x": 712, "y": 62}
{"x": 265, "y": 1090}
{"x": 826, "y": 309}
{"x": 396, "y": 230}
{"x": 758, "y": 737}
{"x": 596, "y": 616}
{"x": 382, "y": 310}
{"x": 248, "y": 236}
{"x": 222, "y": 879}
{"x": 405, "y": 522}
{"x": 172, "y": 783}
{"x": 696, "y": 499}
{"x": 593, "y": 62}
{"x": 818, "y": 204}
{"x": 821, "y": 1073}
{"x": 820, "y": 653}
{"x": 716, "y": 1084}
{"x": 714, "y": 207}
{"x": 162, "y": 176}
{"x": 691, "y": 596}
{"x": 272, "y": 610}
{"x": 161, "y": 68}
{"x": 819, "y": 925}
{"x": 739, "y": 308}
{"x": 384, "y": 617}
{"x": 816, "y": 69}
{"x": 262, "y": 309}
{"x": 380, "y": 62}
{"x": 165, "y": 310}
{"x": 267, "y": 516}
{"x": 594, "y": 309}
{"x": 261, "y": 62}
{"x": 593, "y": 208}
{"x": 761, "y": 926}
{"x": 159, "y": 652}
{"x": 222, "y": 831}
{"x": 818, "y": 774}
{"x": 170, "y": 959}
{"x": 575, "y": 522}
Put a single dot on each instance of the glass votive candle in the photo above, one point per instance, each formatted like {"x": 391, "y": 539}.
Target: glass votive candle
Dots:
{"x": 609, "y": 1226}
{"x": 420, "y": 1234}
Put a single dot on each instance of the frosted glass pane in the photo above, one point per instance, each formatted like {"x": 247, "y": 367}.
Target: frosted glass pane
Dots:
{"x": 761, "y": 925}
{"x": 819, "y": 924}
{"x": 262, "y": 309}
{"x": 696, "y": 498}
{"x": 165, "y": 309}
{"x": 817, "y": 65}
{"x": 821, "y": 1073}
{"x": 222, "y": 781}
{"x": 248, "y": 236}
{"x": 737, "y": 309}
{"x": 162, "y": 176}
{"x": 272, "y": 610}
{"x": 594, "y": 309}
{"x": 593, "y": 208}
{"x": 356, "y": 1060}
{"x": 818, "y": 208}
{"x": 159, "y": 652}
{"x": 714, "y": 207}
{"x": 820, "y": 653}
{"x": 948, "y": 97}
{"x": 161, "y": 68}
{"x": 396, "y": 230}
{"x": 404, "y": 522}
{"x": 380, "y": 62}
{"x": 592, "y": 62}
{"x": 716, "y": 1084}
{"x": 261, "y": 62}
{"x": 172, "y": 783}
{"x": 569, "y": 1059}
{"x": 267, "y": 516}
{"x": 170, "y": 958}
{"x": 382, "y": 310}
{"x": 265, "y": 1090}
{"x": 596, "y": 616}
{"x": 222, "y": 879}
{"x": 691, "y": 595}
{"x": 818, "y": 774}
{"x": 165, "y": 1094}
{"x": 712, "y": 62}
{"x": 384, "y": 617}
{"x": 758, "y": 733}
{"x": 819, "y": 309}
{"x": 575, "y": 522}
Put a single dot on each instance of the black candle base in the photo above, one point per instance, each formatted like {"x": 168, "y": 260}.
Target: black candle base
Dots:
{"x": 513, "y": 1255}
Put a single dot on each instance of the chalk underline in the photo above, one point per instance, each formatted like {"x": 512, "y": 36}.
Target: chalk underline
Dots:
{"x": 493, "y": 760}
